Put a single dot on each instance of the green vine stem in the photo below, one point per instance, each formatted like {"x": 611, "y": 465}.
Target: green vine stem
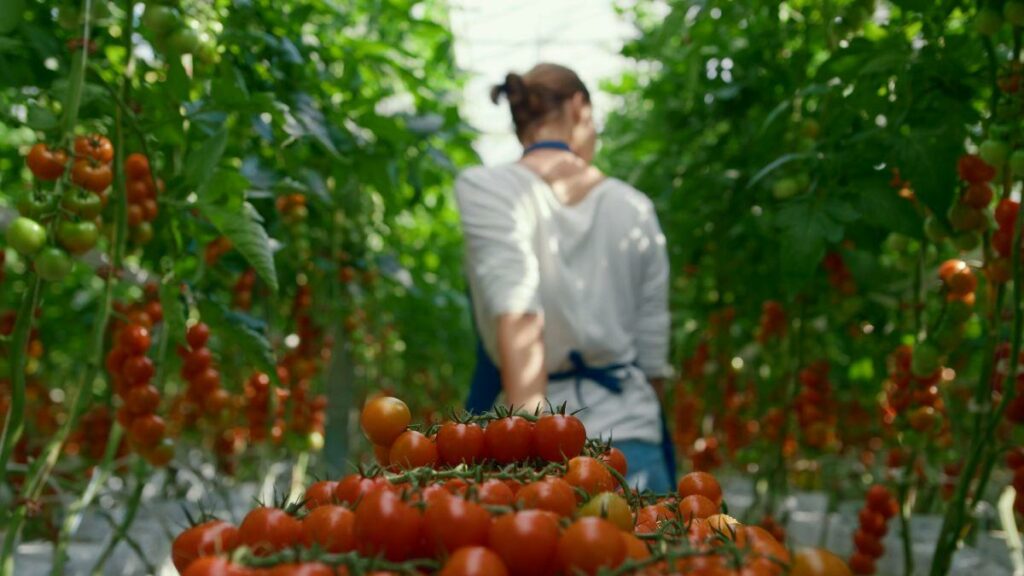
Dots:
{"x": 141, "y": 473}
{"x": 15, "y": 422}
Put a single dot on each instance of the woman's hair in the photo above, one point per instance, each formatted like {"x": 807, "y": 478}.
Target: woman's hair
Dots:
{"x": 537, "y": 95}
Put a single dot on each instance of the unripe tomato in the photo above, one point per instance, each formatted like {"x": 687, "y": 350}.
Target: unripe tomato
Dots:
{"x": 994, "y": 152}
{"x": 53, "y": 264}
{"x": 77, "y": 237}
{"x": 611, "y": 507}
{"x": 26, "y": 236}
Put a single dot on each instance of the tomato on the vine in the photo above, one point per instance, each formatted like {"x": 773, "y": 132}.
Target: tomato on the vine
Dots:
{"x": 383, "y": 419}
{"x": 495, "y": 492}
{"x": 83, "y": 204}
{"x": 590, "y": 475}
{"x": 215, "y": 566}
{"x": 474, "y": 561}
{"x": 53, "y": 264}
{"x": 330, "y": 527}
{"x": 526, "y": 541}
{"x": 703, "y": 484}
{"x": 589, "y": 545}
{"x": 91, "y": 175}
{"x": 551, "y": 494}
{"x": 509, "y": 440}
{"x": 387, "y": 526}
{"x": 616, "y": 459}
{"x": 353, "y": 488}
{"x": 46, "y": 164}
{"x": 452, "y": 523}
{"x": 460, "y": 443}
{"x": 320, "y": 494}
{"x": 412, "y": 449}
{"x": 268, "y": 530}
{"x": 611, "y": 507}
{"x": 207, "y": 539}
{"x": 26, "y": 236}
{"x": 558, "y": 437}
{"x": 147, "y": 431}
{"x": 134, "y": 339}
{"x": 96, "y": 147}
{"x": 77, "y": 237}
{"x": 142, "y": 400}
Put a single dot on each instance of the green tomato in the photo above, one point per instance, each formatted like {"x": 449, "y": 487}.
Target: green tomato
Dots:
{"x": 611, "y": 507}
{"x": 994, "y": 152}
{"x": 83, "y": 204}
{"x": 925, "y": 360}
{"x": 967, "y": 241}
{"x": 785, "y": 188}
{"x": 26, "y": 236}
{"x": 949, "y": 336}
{"x": 959, "y": 312}
{"x": 1013, "y": 11}
{"x": 77, "y": 237}
{"x": 184, "y": 40}
{"x": 142, "y": 234}
{"x": 160, "y": 19}
{"x": 35, "y": 206}
{"x": 897, "y": 243}
{"x": 988, "y": 22}
{"x": 935, "y": 229}
{"x": 53, "y": 264}
{"x": 1017, "y": 163}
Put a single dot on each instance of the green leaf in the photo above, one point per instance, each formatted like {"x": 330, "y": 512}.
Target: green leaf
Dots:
{"x": 807, "y": 225}
{"x": 11, "y": 13}
{"x": 203, "y": 161}
{"x": 173, "y": 310}
{"x": 245, "y": 230}
{"x": 246, "y": 332}
{"x": 40, "y": 118}
{"x": 775, "y": 165}
{"x": 887, "y": 209}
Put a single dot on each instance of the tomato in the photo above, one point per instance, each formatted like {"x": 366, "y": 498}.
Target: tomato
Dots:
{"x": 150, "y": 210}
{"x": 551, "y": 494}
{"x": 184, "y": 41}
{"x": 978, "y": 195}
{"x": 873, "y": 523}
{"x": 861, "y": 564}
{"x": 557, "y": 438}
{"x": 382, "y": 454}
{"x": 138, "y": 370}
{"x": 495, "y": 493}
{"x": 83, "y": 204}
{"x": 763, "y": 546}
{"x": 649, "y": 518}
{"x": 1006, "y": 213}
{"x": 590, "y": 475}
{"x": 589, "y": 545}
{"x": 96, "y": 147}
{"x": 460, "y": 443}
{"x": 134, "y": 339}
{"x": 879, "y": 499}
{"x": 35, "y": 205}
{"x": 196, "y": 362}
{"x": 207, "y": 539}
{"x": 696, "y": 506}
{"x": 973, "y": 169}
{"x": 142, "y": 233}
{"x": 636, "y": 549}
{"x": 46, "y": 164}
{"x": 142, "y": 400}
{"x": 268, "y": 530}
{"x": 509, "y": 440}
{"x": 320, "y": 493}
{"x": 818, "y": 562}
{"x": 206, "y": 381}
{"x": 387, "y": 526}
{"x": 159, "y": 455}
{"x": 303, "y": 569}
{"x": 868, "y": 544}
{"x": 724, "y": 525}
{"x": 77, "y": 237}
{"x": 147, "y": 431}
{"x": 452, "y": 523}
{"x": 616, "y": 459}
{"x": 53, "y": 264}
{"x": 526, "y": 541}
{"x": 197, "y": 335}
{"x": 215, "y": 566}
{"x": 354, "y": 487}
{"x": 703, "y": 484}
{"x": 134, "y": 215}
{"x": 26, "y": 236}
{"x": 383, "y": 419}
{"x": 412, "y": 449}
{"x": 330, "y": 527}
{"x": 611, "y": 507}
{"x": 474, "y": 561}
{"x": 136, "y": 166}
{"x": 91, "y": 175}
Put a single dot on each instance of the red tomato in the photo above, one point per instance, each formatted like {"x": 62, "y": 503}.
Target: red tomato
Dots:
{"x": 696, "y": 506}
{"x": 868, "y": 544}
{"x": 94, "y": 146}
{"x": 557, "y": 438}
{"x": 1006, "y": 213}
{"x": 616, "y": 459}
{"x": 474, "y": 561}
{"x": 509, "y": 440}
{"x": 354, "y": 487}
{"x": 147, "y": 431}
{"x": 551, "y": 494}
{"x": 134, "y": 340}
{"x": 387, "y": 526}
{"x": 138, "y": 370}
{"x": 650, "y": 517}
{"x": 460, "y": 443}
{"x": 703, "y": 484}
{"x": 330, "y": 527}
{"x": 195, "y": 362}
{"x": 215, "y": 566}
{"x": 206, "y": 539}
{"x": 590, "y": 475}
{"x": 495, "y": 493}
{"x": 197, "y": 336}
{"x": 452, "y": 523}
{"x": 304, "y": 569}
{"x": 46, "y": 164}
{"x": 861, "y": 564}
{"x": 142, "y": 400}
{"x": 383, "y": 419}
{"x": 636, "y": 549}
{"x": 412, "y": 449}
{"x": 268, "y": 530}
{"x": 589, "y": 545}
{"x": 320, "y": 493}
{"x": 873, "y": 523}
{"x": 136, "y": 166}
{"x": 526, "y": 541}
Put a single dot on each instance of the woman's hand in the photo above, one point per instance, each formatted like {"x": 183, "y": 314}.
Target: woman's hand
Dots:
{"x": 521, "y": 357}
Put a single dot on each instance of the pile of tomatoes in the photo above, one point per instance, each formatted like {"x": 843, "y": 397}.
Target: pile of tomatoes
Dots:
{"x": 204, "y": 394}
{"x": 496, "y": 494}
{"x": 141, "y": 191}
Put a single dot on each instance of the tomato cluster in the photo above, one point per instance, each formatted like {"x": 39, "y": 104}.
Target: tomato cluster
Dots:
{"x": 967, "y": 215}
{"x": 912, "y": 392}
{"x": 880, "y": 506}
{"x": 839, "y": 275}
{"x": 215, "y": 249}
{"x": 204, "y": 395}
{"x": 257, "y": 407}
{"x": 773, "y": 322}
{"x": 518, "y": 495}
{"x": 303, "y": 364}
{"x": 814, "y": 408}
{"x": 131, "y": 372}
{"x": 141, "y": 190}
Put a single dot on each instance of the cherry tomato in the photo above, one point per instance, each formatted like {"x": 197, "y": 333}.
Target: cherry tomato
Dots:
{"x": 138, "y": 370}
{"x": 147, "y": 431}
{"x": 205, "y": 382}
{"x": 412, "y": 449}
{"x": 818, "y": 562}
{"x": 134, "y": 340}
{"x": 868, "y": 544}
{"x": 703, "y": 484}
{"x": 26, "y": 236}
{"x": 46, "y": 164}
{"x": 96, "y": 147}
{"x": 526, "y": 541}
{"x": 197, "y": 335}
{"x": 268, "y": 530}
{"x": 320, "y": 494}
{"x": 77, "y": 237}
{"x": 763, "y": 548}
{"x": 452, "y": 523}
{"x": 195, "y": 362}
{"x": 611, "y": 507}
{"x": 557, "y": 438}
{"x": 590, "y": 475}
{"x": 207, "y": 539}
{"x": 387, "y": 526}
{"x": 551, "y": 494}
{"x": 873, "y": 523}
{"x": 474, "y": 561}
{"x": 589, "y": 545}
{"x": 52, "y": 264}
{"x": 649, "y": 518}
{"x": 83, "y": 204}
{"x": 330, "y": 527}
{"x": 136, "y": 166}
{"x": 354, "y": 487}
{"x": 879, "y": 499}
{"x": 383, "y": 419}
{"x": 142, "y": 400}
{"x": 616, "y": 459}
{"x": 509, "y": 440}
{"x": 91, "y": 175}
{"x": 215, "y": 566}
{"x": 495, "y": 493}
{"x": 636, "y": 549}
{"x": 460, "y": 443}
{"x": 862, "y": 564}
{"x": 696, "y": 506}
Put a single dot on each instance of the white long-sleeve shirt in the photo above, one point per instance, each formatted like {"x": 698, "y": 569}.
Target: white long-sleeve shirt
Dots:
{"x": 598, "y": 272}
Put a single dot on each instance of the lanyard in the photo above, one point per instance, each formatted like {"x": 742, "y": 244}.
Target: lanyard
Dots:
{"x": 547, "y": 145}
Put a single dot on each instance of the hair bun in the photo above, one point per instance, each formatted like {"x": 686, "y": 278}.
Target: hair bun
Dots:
{"x": 514, "y": 89}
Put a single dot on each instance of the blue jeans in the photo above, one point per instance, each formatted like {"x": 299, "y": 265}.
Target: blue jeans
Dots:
{"x": 647, "y": 467}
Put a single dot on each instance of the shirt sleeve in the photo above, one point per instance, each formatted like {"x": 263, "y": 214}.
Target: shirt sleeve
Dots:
{"x": 653, "y": 320}
{"x": 498, "y": 229}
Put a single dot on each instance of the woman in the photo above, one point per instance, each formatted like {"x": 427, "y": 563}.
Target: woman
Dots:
{"x": 569, "y": 277}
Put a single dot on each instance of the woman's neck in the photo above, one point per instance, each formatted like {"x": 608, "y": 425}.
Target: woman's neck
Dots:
{"x": 549, "y": 133}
